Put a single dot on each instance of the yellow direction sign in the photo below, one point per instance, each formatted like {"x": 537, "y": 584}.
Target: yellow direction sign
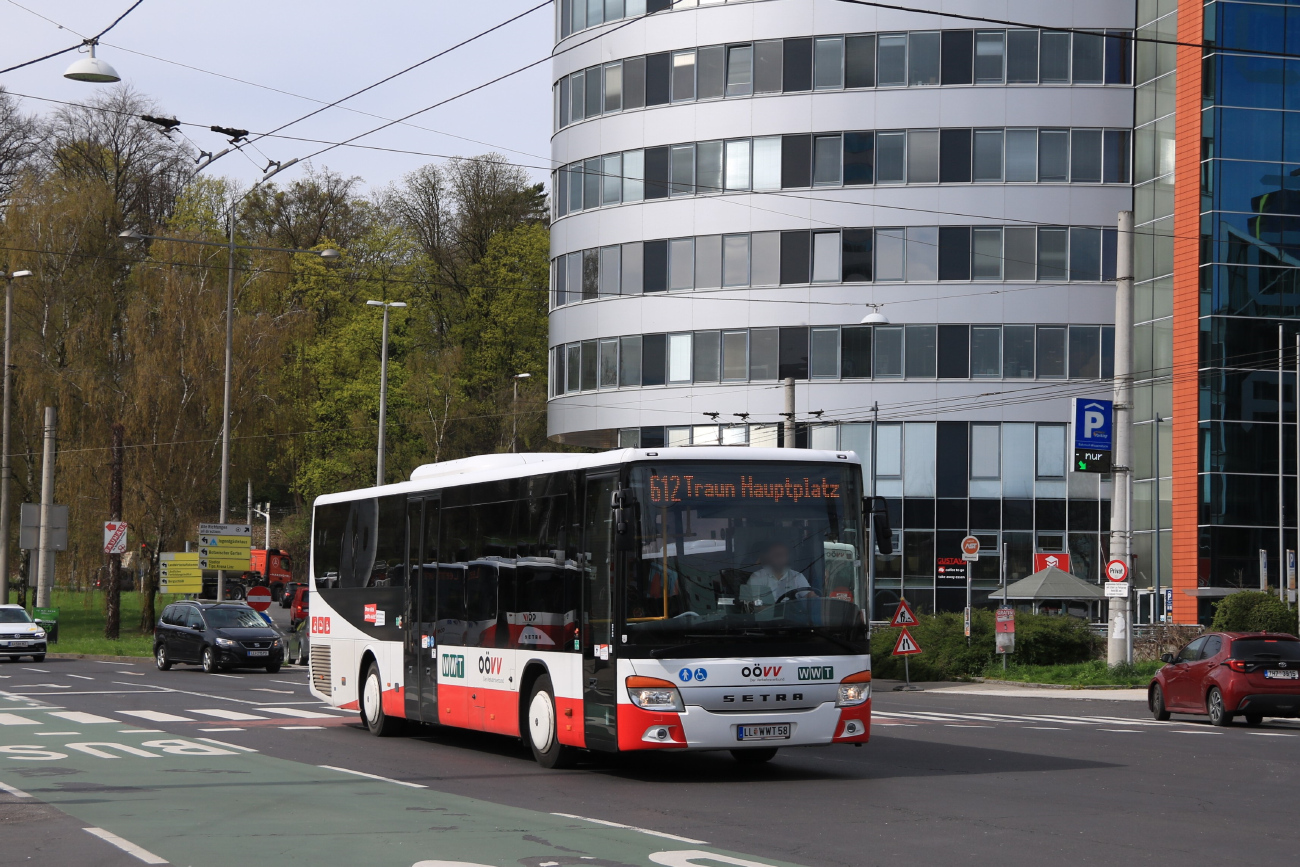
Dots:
{"x": 179, "y": 572}
{"x": 208, "y": 541}
{"x": 224, "y": 558}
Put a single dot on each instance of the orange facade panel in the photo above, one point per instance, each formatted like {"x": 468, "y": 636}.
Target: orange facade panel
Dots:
{"x": 1187, "y": 565}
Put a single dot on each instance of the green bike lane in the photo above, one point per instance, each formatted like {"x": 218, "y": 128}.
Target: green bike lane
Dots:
{"x": 205, "y": 801}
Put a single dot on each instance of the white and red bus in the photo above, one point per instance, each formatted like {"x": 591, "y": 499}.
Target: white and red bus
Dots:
{"x": 639, "y": 599}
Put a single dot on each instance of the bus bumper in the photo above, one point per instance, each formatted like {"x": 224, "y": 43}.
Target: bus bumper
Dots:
{"x": 700, "y": 729}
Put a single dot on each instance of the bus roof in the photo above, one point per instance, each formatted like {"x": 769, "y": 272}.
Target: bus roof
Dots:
{"x": 494, "y": 467}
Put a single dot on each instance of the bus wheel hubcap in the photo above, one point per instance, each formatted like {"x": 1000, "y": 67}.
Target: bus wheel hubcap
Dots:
{"x": 541, "y": 721}
{"x": 371, "y": 698}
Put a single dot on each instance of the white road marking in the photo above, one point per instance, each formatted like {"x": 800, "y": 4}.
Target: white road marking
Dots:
{"x": 276, "y": 691}
{"x": 291, "y": 682}
{"x": 227, "y": 729}
{"x": 1123, "y": 731}
{"x": 41, "y": 670}
{"x": 127, "y": 846}
{"x": 141, "y": 732}
{"x": 633, "y": 828}
{"x": 373, "y": 777}
{"x": 235, "y": 676}
{"x": 965, "y": 726}
{"x": 1272, "y": 734}
{"x": 221, "y": 713}
{"x": 82, "y": 717}
{"x": 224, "y": 744}
{"x": 132, "y": 673}
{"x": 56, "y": 734}
{"x": 1196, "y": 732}
{"x": 1045, "y": 728}
{"x": 13, "y": 719}
{"x": 81, "y": 677}
{"x": 17, "y": 793}
{"x": 302, "y": 728}
{"x": 297, "y": 712}
{"x": 156, "y": 716}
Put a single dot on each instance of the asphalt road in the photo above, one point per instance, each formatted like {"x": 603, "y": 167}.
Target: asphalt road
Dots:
{"x": 248, "y": 769}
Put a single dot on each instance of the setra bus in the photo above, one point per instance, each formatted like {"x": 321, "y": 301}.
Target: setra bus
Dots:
{"x": 639, "y": 599}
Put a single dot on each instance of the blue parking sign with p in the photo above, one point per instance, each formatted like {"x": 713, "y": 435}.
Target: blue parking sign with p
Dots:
{"x": 1093, "y": 430}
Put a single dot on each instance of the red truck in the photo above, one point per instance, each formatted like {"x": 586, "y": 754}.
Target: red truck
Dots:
{"x": 271, "y": 568}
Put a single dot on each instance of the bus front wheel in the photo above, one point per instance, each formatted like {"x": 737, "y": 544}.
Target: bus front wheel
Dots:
{"x": 542, "y": 729}
{"x": 377, "y": 722}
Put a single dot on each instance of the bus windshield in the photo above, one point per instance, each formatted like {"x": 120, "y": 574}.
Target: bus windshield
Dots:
{"x": 739, "y": 551}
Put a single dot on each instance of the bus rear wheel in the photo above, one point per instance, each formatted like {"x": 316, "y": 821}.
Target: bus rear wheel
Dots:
{"x": 376, "y": 721}
{"x": 541, "y": 728}
{"x": 754, "y": 757}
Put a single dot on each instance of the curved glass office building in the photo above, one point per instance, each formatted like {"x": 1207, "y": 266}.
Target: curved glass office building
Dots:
{"x": 740, "y": 184}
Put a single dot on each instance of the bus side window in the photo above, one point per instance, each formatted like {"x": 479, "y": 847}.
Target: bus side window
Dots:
{"x": 481, "y": 605}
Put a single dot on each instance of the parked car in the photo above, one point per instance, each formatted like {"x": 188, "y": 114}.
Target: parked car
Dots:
{"x": 298, "y": 611}
{"x": 215, "y": 635}
{"x": 1228, "y": 674}
{"x": 290, "y": 591}
{"x": 19, "y": 635}
{"x": 298, "y": 650}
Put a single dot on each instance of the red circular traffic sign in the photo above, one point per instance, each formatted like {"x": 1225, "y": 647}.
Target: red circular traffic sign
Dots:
{"x": 1116, "y": 570}
{"x": 259, "y": 598}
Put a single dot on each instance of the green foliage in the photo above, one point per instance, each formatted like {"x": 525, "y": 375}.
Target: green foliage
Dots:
{"x": 1041, "y": 639}
{"x": 1253, "y": 611}
{"x": 1094, "y": 672}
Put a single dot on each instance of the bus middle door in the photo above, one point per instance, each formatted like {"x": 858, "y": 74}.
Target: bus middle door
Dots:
{"x": 599, "y": 694}
{"x": 424, "y": 626}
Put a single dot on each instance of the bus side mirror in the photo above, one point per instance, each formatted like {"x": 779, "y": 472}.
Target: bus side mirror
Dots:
{"x": 624, "y": 521}
{"x": 878, "y": 509}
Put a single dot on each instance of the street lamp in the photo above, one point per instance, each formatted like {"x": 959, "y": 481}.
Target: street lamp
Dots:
{"x": 91, "y": 69}
{"x": 4, "y": 435}
{"x": 383, "y": 386}
{"x": 514, "y": 409}
{"x": 231, "y": 247}
{"x": 875, "y": 317}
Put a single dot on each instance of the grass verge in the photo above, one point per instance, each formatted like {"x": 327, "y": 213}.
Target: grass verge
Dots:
{"x": 1092, "y": 673}
{"x": 81, "y": 624}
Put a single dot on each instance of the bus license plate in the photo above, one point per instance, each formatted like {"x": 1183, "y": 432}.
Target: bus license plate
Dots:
{"x": 259, "y": 653}
{"x": 776, "y": 732}
{"x": 1282, "y": 675}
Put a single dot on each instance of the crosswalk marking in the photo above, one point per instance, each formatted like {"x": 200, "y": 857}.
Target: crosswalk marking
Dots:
{"x": 156, "y": 716}
{"x": 82, "y": 717}
{"x": 13, "y": 719}
{"x": 222, "y": 713}
{"x": 297, "y": 712}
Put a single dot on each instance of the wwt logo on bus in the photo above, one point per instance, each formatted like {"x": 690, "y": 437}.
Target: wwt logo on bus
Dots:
{"x": 453, "y": 665}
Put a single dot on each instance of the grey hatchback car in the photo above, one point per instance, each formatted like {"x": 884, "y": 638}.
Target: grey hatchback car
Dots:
{"x": 216, "y": 635}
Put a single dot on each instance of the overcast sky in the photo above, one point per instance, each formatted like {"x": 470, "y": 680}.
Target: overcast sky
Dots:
{"x": 323, "y": 50}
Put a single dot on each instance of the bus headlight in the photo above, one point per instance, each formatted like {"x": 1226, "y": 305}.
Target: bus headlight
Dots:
{"x": 651, "y": 693}
{"x": 854, "y": 689}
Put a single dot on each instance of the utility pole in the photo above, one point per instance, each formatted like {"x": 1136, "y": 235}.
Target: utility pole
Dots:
{"x": 225, "y": 400}
{"x": 113, "y": 607}
{"x": 249, "y": 522}
{"x": 1119, "y": 627}
{"x": 5, "y": 465}
{"x": 1281, "y": 478}
{"x": 45, "y": 568}
{"x": 1155, "y": 551}
{"x": 789, "y": 412}
{"x": 383, "y": 386}
{"x": 873, "y": 545}
{"x": 514, "y": 410}
{"x": 1297, "y": 457}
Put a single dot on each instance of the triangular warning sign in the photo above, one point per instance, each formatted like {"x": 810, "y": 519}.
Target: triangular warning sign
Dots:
{"x": 903, "y": 616}
{"x": 906, "y": 644}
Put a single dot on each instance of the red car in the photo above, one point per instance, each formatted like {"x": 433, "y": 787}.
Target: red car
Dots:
{"x": 298, "y": 611}
{"x": 1229, "y": 674}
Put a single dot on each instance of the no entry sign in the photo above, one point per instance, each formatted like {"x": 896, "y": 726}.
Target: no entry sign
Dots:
{"x": 1117, "y": 570}
{"x": 259, "y": 598}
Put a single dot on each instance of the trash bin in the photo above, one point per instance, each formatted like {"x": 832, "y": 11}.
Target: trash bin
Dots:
{"x": 48, "y": 619}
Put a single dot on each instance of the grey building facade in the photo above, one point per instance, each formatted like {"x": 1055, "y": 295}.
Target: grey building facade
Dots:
{"x": 739, "y": 183}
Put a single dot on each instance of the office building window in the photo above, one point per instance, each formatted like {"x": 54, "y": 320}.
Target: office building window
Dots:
{"x": 859, "y": 158}
{"x": 824, "y": 357}
{"x": 683, "y": 81}
{"x": 856, "y": 256}
{"x": 763, "y": 354}
{"x": 711, "y": 72}
{"x": 767, "y": 66}
{"x": 923, "y": 59}
{"x": 860, "y": 61}
{"x": 708, "y": 167}
{"x": 986, "y": 352}
{"x": 737, "y": 164}
{"x": 892, "y": 68}
{"x": 1018, "y": 351}
{"x": 740, "y": 70}
{"x": 855, "y": 351}
{"x": 735, "y": 260}
{"x": 990, "y": 49}
{"x": 828, "y": 63}
{"x": 1051, "y": 352}
{"x": 735, "y": 355}
{"x": 888, "y": 354}
{"x": 707, "y": 356}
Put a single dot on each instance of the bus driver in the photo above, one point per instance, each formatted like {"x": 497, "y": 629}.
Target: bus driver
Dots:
{"x": 775, "y": 576}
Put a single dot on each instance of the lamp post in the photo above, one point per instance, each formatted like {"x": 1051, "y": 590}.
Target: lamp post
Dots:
{"x": 231, "y": 247}
{"x": 514, "y": 409}
{"x": 383, "y": 386}
{"x": 4, "y": 435}
{"x": 875, "y": 317}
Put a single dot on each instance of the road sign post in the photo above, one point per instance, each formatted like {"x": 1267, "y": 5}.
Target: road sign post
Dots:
{"x": 970, "y": 552}
{"x": 906, "y": 645}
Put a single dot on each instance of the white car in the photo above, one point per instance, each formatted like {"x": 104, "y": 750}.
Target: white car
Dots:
{"x": 19, "y": 636}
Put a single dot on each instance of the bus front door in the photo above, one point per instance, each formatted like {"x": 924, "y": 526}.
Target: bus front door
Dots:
{"x": 599, "y": 701}
{"x": 422, "y": 651}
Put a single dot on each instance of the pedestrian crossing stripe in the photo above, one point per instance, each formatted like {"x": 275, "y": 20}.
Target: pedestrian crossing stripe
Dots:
{"x": 903, "y": 616}
{"x": 906, "y": 645}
